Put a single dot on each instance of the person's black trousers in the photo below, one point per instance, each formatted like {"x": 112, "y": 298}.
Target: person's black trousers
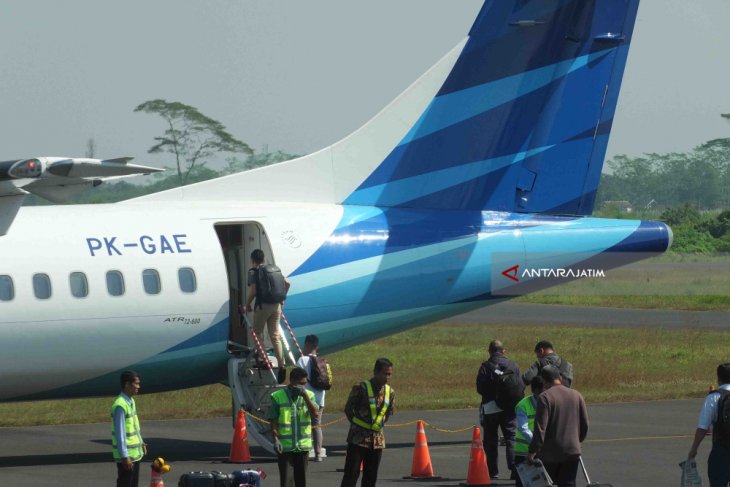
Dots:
{"x": 293, "y": 468}
{"x": 519, "y": 459}
{"x": 718, "y": 466}
{"x": 128, "y": 478}
{"x": 492, "y": 423}
{"x": 563, "y": 473}
{"x": 370, "y": 458}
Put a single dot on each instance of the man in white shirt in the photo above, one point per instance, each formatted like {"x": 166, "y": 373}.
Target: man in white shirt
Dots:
{"x": 311, "y": 344}
{"x": 718, "y": 464}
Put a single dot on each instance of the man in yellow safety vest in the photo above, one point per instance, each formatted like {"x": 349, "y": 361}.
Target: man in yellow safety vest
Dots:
{"x": 368, "y": 407}
{"x": 291, "y": 412}
{"x": 525, "y": 412}
{"x": 128, "y": 446}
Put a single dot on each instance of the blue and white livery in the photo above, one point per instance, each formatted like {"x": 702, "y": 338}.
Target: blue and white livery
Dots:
{"x": 496, "y": 150}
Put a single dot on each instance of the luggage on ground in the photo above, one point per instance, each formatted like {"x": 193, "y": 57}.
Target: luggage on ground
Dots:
{"x": 246, "y": 478}
{"x": 197, "y": 479}
{"x": 221, "y": 479}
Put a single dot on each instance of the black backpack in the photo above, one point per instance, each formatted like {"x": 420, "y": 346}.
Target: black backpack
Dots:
{"x": 565, "y": 367}
{"x": 721, "y": 427}
{"x": 509, "y": 388}
{"x": 270, "y": 284}
{"x": 321, "y": 373}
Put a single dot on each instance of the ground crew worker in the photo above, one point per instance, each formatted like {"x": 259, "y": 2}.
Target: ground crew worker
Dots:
{"x": 718, "y": 464}
{"x": 127, "y": 444}
{"x": 368, "y": 407}
{"x": 525, "y": 412}
{"x": 291, "y": 412}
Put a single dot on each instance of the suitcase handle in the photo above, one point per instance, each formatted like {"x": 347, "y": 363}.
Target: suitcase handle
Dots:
{"x": 585, "y": 472}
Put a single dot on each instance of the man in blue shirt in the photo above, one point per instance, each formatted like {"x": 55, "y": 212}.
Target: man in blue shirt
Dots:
{"x": 718, "y": 464}
{"x": 128, "y": 446}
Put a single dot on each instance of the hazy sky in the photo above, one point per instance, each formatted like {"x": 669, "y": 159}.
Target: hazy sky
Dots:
{"x": 298, "y": 76}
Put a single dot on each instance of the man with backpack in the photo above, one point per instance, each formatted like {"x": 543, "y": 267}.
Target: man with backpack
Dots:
{"x": 499, "y": 383}
{"x": 715, "y": 413}
{"x": 269, "y": 287}
{"x": 546, "y": 356}
{"x": 320, "y": 380}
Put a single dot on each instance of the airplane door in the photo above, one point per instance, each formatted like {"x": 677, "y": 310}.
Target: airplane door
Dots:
{"x": 238, "y": 240}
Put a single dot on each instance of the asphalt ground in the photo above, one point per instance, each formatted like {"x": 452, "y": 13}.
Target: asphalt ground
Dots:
{"x": 629, "y": 444}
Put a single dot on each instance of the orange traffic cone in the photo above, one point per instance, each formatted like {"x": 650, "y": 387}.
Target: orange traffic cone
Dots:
{"x": 239, "y": 446}
{"x": 156, "y": 480}
{"x": 159, "y": 467}
{"x": 421, "y": 467}
{"x": 478, "y": 473}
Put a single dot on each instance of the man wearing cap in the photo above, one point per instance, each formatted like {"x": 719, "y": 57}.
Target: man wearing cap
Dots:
{"x": 561, "y": 425}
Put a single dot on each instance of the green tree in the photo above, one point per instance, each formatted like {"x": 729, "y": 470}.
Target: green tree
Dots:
{"x": 190, "y": 136}
{"x": 234, "y": 164}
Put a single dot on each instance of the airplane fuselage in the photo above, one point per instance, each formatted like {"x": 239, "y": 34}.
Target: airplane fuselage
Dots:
{"x": 357, "y": 273}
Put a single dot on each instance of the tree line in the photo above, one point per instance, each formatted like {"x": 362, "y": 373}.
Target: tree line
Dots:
{"x": 678, "y": 188}
{"x": 700, "y": 178}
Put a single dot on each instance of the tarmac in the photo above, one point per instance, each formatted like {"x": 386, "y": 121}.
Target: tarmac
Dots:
{"x": 629, "y": 444}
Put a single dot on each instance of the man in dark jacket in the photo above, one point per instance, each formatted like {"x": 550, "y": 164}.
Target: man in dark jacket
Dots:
{"x": 491, "y": 416}
{"x": 561, "y": 425}
{"x": 546, "y": 356}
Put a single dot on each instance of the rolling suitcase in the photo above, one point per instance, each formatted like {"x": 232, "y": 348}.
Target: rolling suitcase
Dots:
{"x": 585, "y": 473}
{"x": 534, "y": 475}
{"x": 196, "y": 479}
{"x": 221, "y": 479}
{"x": 246, "y": 478}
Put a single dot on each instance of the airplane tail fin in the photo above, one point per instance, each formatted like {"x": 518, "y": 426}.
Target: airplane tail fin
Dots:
{"x": 515, "y": 118}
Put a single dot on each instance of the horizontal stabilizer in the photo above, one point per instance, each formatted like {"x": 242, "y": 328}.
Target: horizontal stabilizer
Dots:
{"x": 57, "y": 179}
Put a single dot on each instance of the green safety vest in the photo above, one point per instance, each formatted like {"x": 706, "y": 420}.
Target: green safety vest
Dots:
{"x": 295, "y": 423}
{"x": 527, "y": 406}
{"x": 135, "y": 450}
{"x": 378, "y": 418}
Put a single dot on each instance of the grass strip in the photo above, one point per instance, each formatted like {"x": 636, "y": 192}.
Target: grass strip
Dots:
{"x": 436, "y": 366}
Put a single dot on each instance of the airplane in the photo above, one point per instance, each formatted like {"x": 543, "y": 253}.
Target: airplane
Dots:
{"x": 486, "y": 166}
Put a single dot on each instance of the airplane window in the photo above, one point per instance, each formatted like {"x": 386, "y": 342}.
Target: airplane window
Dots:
{"x": 41, "y": 286}
{"x": 115, "y": 283}
{"x": 79, "y": 284}
{"x": 186, "y": 276}
{"x": 151, "y": 281}
{"x": 7, "y": 291}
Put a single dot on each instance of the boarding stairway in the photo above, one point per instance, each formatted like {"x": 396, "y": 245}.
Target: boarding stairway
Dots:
{"x": 252, "y": 379}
